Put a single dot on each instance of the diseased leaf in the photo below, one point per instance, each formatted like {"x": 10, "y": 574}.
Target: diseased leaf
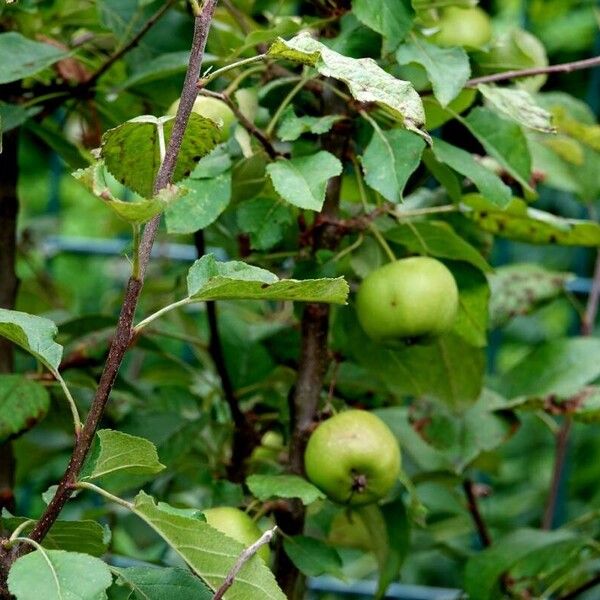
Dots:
{"x": 23, "y": 404}
{"x": 283, "y": 486}
{"x": 33, "y": 334}
{"x": 302, "y": 181}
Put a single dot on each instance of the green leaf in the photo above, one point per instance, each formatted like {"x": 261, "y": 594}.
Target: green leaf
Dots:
{"x": 265, "y": 220}
{"x": 87, "y": 536}
{"x": 312, "y": 556}
{"x": 560, "y": 367}
{"x": 519, "y": 106}
{"x": 154, "y": 583}
{"x": 448, "y": 69}
{"x": 283, "y": 486}
{"x": 13, "y": 115}
{"x": 487, "y": 182}
{"x": 366, "y": 80}
{"x": 519, "y": 289}
{"x": 24, "y": 57}
{"x": 33, "y": 334}
{"x": 115, "y": 452}
{"x": 211, "y": 280}
{"x": 131, "y": 151}
{"x": 23, "y": 404}
{"x": 391, "y": 18}
{"x": 484, "y": 570}
{"x": 436, "y": 238}
{"x": 519, "y": 222}
{"x": 503, "y": 140}
{"x": 209, "y": 553}
{"x": 292, "y": 126}
{"x": 390, "y": 159}
{"x": 59, "y": 575}
{"x": 202, "y": 205}
{"x": 436, "y": 115}
{"x": 302, "y": 181}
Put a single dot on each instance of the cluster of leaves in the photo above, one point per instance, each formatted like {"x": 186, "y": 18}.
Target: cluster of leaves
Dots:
{"x": 428, "y": 163}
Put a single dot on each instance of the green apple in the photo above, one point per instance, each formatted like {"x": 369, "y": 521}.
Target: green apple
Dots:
{"x": 468, "y": 27}
{"x": 271, "y": 446}
{"x": 353, "y": 457}
{"x": 214, "y": 109}
{"x": 408, "y": 299}
{"x": 236, "y": 524}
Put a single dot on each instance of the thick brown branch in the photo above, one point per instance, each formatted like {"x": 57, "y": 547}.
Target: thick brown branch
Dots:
{"x": 123, "y": 333}
{"x": 578, "y": 65}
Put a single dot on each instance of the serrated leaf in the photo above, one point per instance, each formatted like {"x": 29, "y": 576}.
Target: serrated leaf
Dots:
{"x": 209, "y": 553}
{"x": 519, "y": 106}
{"x": 436, "y": 238}
{"x": 302, "y": 181}
{"x": 366, "y": 80}
{"x": 519, "y": 289}
{"x": 390, "y": 159}
{"x": 292, "y": 126}
{"x": 154, "y": 583}
{"x": 204, "y": 201}
{"x": 86, "y": 536}
{"x": 487, "y": 182}
{"x": 312, "y": 556}
{"x": 520, "y": 222}
{"x": 448, "y": 69}
{"x": 393, "y": 19}
{"x": 131, "y": 151}
{"x": 59, "y": 575}
{"x": 23, "y": 404}
{"x": 116, "y": 452}
{"x": 504, "y": 141}
{"x": 209, "y": 279}
{"x": 283, "y": 486}
{"x": 33, "y": 334}
{"x": 265, "y": 220}
{"x": 24, "y": 57}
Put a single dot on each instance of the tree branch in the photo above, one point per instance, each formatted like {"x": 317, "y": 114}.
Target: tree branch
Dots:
{"x": 123, "y": 333}
{"x": 584, "y": 587}
{"x": 244, "y": 557}
{"x": 578, "y": 65}
{"x": 473, "y": 506}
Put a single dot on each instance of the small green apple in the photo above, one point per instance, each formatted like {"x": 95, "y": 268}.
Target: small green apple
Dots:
{"x": 214, "y": 109}
{"x": 468, "y": 27}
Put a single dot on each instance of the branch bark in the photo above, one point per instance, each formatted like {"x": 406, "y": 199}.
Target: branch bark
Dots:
{"x": 473, "y": 506}
{"x": 123, "y": 333}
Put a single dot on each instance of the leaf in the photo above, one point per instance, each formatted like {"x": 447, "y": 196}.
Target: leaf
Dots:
{"x": 312, "y": 556}
{"x": 436, "y": 115}
{"x": 265, "y": 220}
{"x": 23, "y": 404}
{"x": 87, "y": 536}
{"x": 487, "y": 182}
{"x": 154, "y": 583}
{"x": 519, "y": 106}
{"x": 13, "y": 115}
{"x": 58, "y": 575}
{"x": 115, "y": 452}
{"x": 366, "y": 80}
{"x": 131, "y": 151}
{"x": 519, "y": 289}
{"x": 24, "y": 57}
{"x": 292, "y": 126}
{"x": 391, "y": 18}
{"x": 483, "y": 570}
{"x": 448, "y": 69}
{"x": 561, "y": 367}
{"x": 211, "y": 280}
{"x": 33, "y": 334}
{"x": 209, "y": 553}
{"x": 503, "y": 140}
{"x": 302, "y": 181}
{"x": 390, "y": 159}
{"x": 283, "y": 486}
{"x": 201, "y": 206}
{"x": 436, "y": 238}
{"x": 519, "y": 222}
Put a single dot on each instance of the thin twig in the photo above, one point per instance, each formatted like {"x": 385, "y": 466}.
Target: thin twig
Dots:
{"x": 584, "y": 587}
{"x": 123, "y": 333}
{"x": 254, "y": 131}
{"x": 591, "y": 310}
{"x": 473, "y": 506}
{"x": 578, "y": 65}
{"x": 243, "y": 558}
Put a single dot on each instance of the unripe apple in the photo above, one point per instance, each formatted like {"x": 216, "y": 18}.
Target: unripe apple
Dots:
{"x": 214, "y": 109}
{"x": 468, "y": 27}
